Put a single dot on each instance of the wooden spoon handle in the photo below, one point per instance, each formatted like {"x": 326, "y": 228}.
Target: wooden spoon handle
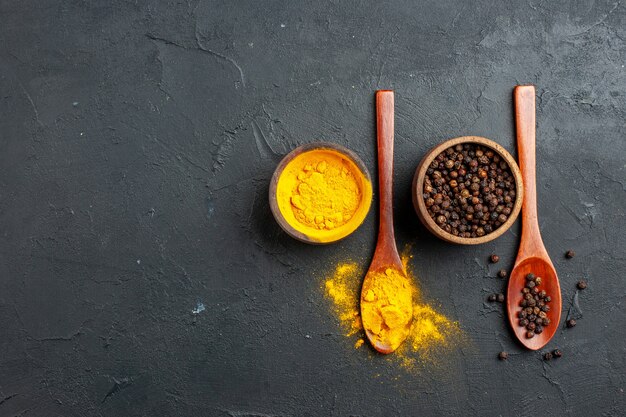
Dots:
{"x": 385, "y": 129}
{"x": 524, "y": 96}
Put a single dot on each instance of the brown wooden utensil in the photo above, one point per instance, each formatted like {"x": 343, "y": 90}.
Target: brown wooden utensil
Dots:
{"x": 386, "y": 253}
{"x": 532, "y": 256}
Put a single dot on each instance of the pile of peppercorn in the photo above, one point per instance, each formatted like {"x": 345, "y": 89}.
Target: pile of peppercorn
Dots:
{"x": 469, "y": 190}
{"x": 533, "y": 315}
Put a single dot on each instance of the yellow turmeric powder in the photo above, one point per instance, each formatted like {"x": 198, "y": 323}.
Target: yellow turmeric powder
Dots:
{"x": 430, "y": 334}
{"x": 341, "y": 289}
{"x": 386, "y": 307}
{"x": 323, "y": 194}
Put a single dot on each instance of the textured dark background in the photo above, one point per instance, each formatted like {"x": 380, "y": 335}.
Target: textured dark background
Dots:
{"x": 137, "y": 139}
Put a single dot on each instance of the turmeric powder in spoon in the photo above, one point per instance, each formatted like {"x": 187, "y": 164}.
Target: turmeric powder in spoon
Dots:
{"x": 387, "y": 307}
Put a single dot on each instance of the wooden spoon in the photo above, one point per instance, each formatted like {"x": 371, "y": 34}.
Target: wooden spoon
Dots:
{"x": 532, "y": 256}
{"x": 386, "y": 253}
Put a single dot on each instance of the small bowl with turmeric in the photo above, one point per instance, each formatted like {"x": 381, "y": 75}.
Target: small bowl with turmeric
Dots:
{"x": 320, "y": 193}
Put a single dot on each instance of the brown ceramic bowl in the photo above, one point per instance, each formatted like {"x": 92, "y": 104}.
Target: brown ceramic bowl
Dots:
{"x": 418, "y": 186}
{"x": 330, "y": 236}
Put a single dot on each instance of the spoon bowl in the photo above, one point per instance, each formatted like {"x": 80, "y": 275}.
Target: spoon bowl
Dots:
{"x": 532, "y": 255}
{"x": 542, "y": 268}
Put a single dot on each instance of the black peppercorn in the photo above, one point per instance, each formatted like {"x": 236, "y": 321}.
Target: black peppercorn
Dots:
{"x": 547, "y": 356}
{"x": 570, "y": 254}
{"x": 500, "y": 298}
{"x": 557, "y": 353}
{"x": 522, "y": 314}
{"x": 530, "y": 277}
{"x": 531, "y": 326}
{"x": 582, "y": 284}
{"x": 471, "y": 184}
{"x": 530, "y": 284}
{"x": 502, "y": 273}
{"x": 524, "y": 322}
{"x": 547, "y": 299}
{"x": 503, "y": 356}
{"x": 538, "y": 329}
{"x": 530, "y": 334}
{"x": 538, "y": 281}
{"x": 494, "y": 258}
{"x": 492, "y": 298}
{"x": 525, "y": 290}
{"x": 546, "y": 321}
{"x": 571, "y": 323}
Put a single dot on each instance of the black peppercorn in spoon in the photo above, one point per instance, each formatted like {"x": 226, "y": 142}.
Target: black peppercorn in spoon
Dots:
{"x": 532, "y": 257}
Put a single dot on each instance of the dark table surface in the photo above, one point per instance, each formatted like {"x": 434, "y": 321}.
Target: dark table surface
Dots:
{"x": 137, "y": 139}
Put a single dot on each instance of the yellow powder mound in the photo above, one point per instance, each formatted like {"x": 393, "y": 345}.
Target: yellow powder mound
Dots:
{"x": 431, "y": 333}
{"x": 386, "y": 307}
{"x": 326, "y": 195}
{"x": 323, "y": 194}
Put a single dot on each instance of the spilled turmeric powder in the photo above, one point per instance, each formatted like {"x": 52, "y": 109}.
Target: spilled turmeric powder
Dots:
{"x": 341, "y": 289}
{"x": 431, "y": 333}
{"x": 386, "y": 307}
{"x": 323, "y": 194}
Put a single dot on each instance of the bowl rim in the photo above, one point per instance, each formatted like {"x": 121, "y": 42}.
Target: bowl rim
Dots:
{"x": 418, "y": 184}
{"x": 308, "y": 147}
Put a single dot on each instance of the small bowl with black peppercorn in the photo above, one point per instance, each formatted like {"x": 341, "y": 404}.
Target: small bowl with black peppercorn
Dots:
{"x": 467, "y": 190}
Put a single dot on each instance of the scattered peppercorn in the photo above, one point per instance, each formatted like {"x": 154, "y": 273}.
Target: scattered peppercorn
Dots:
{"x": 469, "y": 191}
{"x": 494, "y": 258}
{"x": 570, "y": 254}
{"x": 503, "y": 356}
{"x": 500, "y": 298}
{"x": 557, "y": 353}
{"x": 582, "y": 284}
{"x": 492, "y": 298}
{"x": 571, "y": 323}
{"x": 502, "y": 273}
{"x": 547, "y": 356}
